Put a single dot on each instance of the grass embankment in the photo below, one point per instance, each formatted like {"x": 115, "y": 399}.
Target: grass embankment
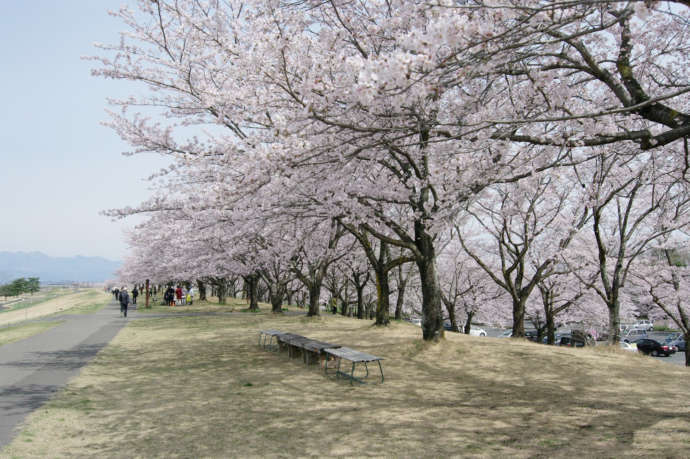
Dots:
{"x": 27, "y": 301}
{"x": 14, "y": 325}
{"x": 199, "y": 386}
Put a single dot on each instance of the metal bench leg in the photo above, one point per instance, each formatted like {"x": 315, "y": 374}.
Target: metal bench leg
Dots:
{"x": 381, "y": 368}
{"x": 366, "y": 368}
{"x": 260, "y": 335}
{"x": 352, "y": 373}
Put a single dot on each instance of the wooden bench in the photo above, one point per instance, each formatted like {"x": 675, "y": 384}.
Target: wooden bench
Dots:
{"x": 355, "y": 357}
{"x": 318, "y": 348}
{"x": 270, "y": 335}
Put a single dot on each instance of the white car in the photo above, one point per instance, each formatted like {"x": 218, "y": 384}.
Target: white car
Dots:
{"x": 630, "y": 347}
{"x": 477, "y": 331}
{"x": 644, "y": 324}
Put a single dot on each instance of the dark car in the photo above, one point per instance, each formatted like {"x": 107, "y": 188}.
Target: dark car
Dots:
{"x": 655, "y": 348}
{"x": 678, "y": 342}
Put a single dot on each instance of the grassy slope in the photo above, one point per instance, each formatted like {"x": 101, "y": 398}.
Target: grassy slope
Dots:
{"x": 200, "y": 386}
{"x": 83, "y": 302}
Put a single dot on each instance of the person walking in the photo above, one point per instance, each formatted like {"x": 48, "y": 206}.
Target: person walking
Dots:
{"x": 135, "y": 294}
{"x": 124, "y": 301}
{"x": 170, "y": 296}
{"x": 178, "y": 295}
{"x": 190, "y": 295}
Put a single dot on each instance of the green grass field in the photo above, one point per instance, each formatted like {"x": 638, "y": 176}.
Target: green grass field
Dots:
{"x": 200, "y": 386}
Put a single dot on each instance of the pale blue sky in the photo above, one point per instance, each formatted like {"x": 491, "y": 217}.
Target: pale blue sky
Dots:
{"x": 58, "y": 166}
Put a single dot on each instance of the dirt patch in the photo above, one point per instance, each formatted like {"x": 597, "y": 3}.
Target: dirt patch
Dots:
{"x": 200, "y": 386}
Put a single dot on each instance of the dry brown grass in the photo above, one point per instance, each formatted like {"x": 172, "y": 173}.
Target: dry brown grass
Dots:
{"x": 201, "y": 387}
{"x": 83, "y": 301}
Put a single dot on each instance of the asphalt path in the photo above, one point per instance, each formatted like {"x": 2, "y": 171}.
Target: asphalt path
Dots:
{"x": 33, "y": 369}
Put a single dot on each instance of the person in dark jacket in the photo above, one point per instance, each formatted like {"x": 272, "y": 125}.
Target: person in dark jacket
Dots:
{"x": 124, "y": 301}
{"x": 135, "y": 294}
{"x": 169, "y": 296}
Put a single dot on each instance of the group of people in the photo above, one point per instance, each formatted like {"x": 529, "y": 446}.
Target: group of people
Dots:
{"x": 178, "y": 296}
{"x": 172, "y": 297}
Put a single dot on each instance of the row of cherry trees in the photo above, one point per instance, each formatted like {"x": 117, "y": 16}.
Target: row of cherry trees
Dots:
{"x": 511, "y": 151}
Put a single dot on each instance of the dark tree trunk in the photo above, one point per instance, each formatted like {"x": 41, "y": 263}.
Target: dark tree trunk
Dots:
{"x": 468, "y": 322}
{"x": 550, "y": 328}
{"x": 221, "y": 291}
{"x": 518, "y": 318}
{"x": 450, "y": 308}
{"x": 432, "y": 318}
{"x": 399, "y": 301}
{"x": 382, "y": 296}
{"x": 233, "y": 288}
{"x": 252, "y": 284}
{"x": 202, "y": 290}
{"x": 360, "y": 301}
{"x": 276, "y": 294}
{"x": 314, "y": 296}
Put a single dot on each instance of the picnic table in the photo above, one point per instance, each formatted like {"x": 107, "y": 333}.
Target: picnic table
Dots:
{"x": 355, "y": 357}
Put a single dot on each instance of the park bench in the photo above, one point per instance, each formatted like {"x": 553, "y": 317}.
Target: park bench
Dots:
{"x": 323, "y": 350}
{"x": 355, "y": 357}
{"x": 269, "y": 335}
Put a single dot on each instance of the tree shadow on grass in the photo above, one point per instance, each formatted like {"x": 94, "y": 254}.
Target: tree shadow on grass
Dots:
{"x": 205, "y": 388}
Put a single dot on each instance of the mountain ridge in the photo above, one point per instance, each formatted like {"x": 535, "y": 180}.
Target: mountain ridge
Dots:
{"x": 78, "y": 268}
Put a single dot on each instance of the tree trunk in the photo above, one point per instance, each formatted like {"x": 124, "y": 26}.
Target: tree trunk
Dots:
{"x": 360, "y": 301}
{"x": 233, "y": 288}
{"x": 314, "y": 295}
{"x": 550, "y": 326}
{"x": 202, "y": 290}
{"x": 276, "y": 294}
{"x": 221, "y": 290}
{"x": 252, "y": 283}
{"x": 450, "y": 308}
{"x": 614, "y": 322}
{"x": 518, "y": 318}
{"x": 468, "y": 322}
{"x": 686, "y": 337}
{"x": 432, "y": 322}
{"x": 399, "y": 301}
{"x": 382, "y": 296}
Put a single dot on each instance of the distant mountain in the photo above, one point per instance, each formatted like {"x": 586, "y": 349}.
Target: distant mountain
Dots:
{"x": 55, "y": 269}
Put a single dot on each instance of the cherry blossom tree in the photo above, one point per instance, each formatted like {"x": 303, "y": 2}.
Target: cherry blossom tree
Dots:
{"x": 634, "y": 201}
{"x": 664, "y": 282}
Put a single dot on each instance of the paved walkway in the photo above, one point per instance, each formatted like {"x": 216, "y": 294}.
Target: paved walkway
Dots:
{"x": 33, "y": 369}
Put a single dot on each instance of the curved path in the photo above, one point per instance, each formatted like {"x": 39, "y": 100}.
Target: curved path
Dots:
{"x": 33, "y": 369}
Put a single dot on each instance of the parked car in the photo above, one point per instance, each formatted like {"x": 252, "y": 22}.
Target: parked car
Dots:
{"x": 529, "y": 334}
{"x": 476, "y": 331}
{"x": 633, "y": 335}
{"x": 570, "y": 340}
{"x": 644, "y": 324}
{"x": 415, "y": 321}
{"x": 630, "y": 347}
{"x": 677, "y": 341}
{"x": 655, "y": 348}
